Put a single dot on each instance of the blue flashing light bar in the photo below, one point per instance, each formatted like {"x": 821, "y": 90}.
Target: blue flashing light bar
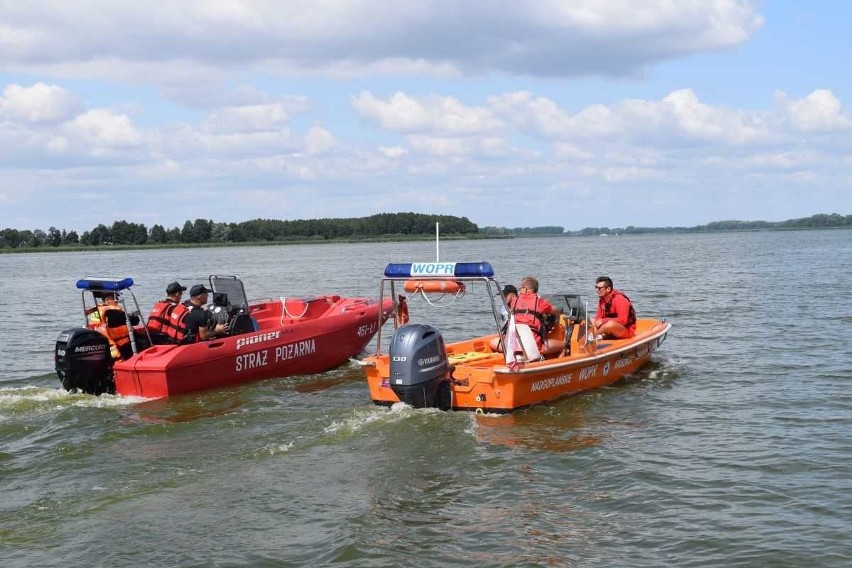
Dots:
{"x": 439, "y": 270}
{"x": 108, "y": 284}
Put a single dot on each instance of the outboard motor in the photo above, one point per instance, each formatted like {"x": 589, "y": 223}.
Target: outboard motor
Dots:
{"x": 83, "y": 361}
{"x": 419, "y": 368}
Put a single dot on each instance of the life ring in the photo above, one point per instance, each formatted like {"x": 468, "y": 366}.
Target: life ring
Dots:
{"x": 434, "y": 286}
{"x": 401, "y": 311}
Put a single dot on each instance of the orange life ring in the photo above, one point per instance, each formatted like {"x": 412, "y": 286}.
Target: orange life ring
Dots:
{"x": 439, "y": 286}
{"x": 401, "y": 311}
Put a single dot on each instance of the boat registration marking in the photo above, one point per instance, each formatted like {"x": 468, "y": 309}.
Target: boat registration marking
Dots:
{"x": 367, "y": 329}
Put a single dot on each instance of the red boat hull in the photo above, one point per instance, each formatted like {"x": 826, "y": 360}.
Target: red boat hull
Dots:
{"x": 297, "y": 338}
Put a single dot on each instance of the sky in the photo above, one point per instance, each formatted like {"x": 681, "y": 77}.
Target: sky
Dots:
{"x": 575, "y": 113}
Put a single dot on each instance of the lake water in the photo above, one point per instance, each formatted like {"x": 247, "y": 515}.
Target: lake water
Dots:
{"x": 732, "y": 448}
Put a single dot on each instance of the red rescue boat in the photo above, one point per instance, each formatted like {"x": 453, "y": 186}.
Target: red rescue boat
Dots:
{"x": 268, "y": 338}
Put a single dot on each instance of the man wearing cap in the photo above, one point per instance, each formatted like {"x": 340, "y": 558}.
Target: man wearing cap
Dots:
{"x": 198, "y": 325}
{"x": 166, "y": 315}
{"x": 510, "y": 296}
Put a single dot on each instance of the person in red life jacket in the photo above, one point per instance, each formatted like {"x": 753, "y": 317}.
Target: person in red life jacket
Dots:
{"x": 166, "y": 315}
{"x": 110, "y": 319}
{"x": 510, "y": 295}
{"x": 616, "y": 317}
{"x": 531, "y": 309}
{"x": 199, "y": 325}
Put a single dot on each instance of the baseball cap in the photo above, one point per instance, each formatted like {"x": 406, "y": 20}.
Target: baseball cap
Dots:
{"x": 199, "y": 289}
{"x": 509, "y": 289}
{"x": 174, "y": 287}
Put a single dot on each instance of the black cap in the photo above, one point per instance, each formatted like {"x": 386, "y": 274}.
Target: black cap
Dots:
{"x": 199, "y": 289}
{"x": 174, "y": 288}
{"x": 509, "y": 289}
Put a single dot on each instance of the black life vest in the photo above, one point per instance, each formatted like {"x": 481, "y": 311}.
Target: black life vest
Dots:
{"x": 167, "y": 318}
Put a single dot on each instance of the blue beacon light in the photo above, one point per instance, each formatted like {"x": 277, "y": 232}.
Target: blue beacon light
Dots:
{"x": 439, "y": 270}
{"x": 110, "y": 284}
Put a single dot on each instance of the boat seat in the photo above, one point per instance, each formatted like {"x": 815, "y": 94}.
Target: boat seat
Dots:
{"x": 527, "y": 338}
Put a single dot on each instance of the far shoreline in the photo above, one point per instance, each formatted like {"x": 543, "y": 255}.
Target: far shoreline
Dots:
{"x": 388, "y": 239}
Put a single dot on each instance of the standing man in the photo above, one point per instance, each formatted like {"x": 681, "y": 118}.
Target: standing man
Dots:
{"x": 198, "y": 325}
{"x": 616, "y": 317}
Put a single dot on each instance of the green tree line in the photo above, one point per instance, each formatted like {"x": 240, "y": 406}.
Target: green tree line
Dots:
{"x": 258, "y": 230}
{"x": 819, "y": 221}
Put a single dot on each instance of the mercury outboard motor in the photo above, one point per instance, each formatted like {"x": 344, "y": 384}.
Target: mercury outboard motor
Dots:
{"x": 419, "y": 368}
{"x": 83, "y": 361}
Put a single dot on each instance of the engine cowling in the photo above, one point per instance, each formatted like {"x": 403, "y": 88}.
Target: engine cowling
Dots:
{"x": 419, "y": 367}
{"x": 83, "y": 361}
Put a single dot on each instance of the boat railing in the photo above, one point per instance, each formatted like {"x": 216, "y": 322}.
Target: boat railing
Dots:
{"x": 393, "y": 286}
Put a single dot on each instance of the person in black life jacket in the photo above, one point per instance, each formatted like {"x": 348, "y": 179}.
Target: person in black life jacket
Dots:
{"x": 199, "y": 326}
{"x": 616, "y": 317}
{"x": 510, "y": 295}
{"x": 166, "y": 315}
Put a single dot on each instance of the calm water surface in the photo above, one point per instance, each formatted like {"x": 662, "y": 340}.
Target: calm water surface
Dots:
{"x": 731, "y": 449}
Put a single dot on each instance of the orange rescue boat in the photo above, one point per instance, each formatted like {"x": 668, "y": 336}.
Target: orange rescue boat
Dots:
{"x": 417, "y": 367}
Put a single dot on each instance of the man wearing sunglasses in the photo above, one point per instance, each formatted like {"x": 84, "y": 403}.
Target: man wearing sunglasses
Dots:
{"x": 616, "y": 318}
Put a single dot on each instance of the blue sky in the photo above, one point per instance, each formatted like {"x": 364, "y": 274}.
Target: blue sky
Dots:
{"x": 574, "y": 113}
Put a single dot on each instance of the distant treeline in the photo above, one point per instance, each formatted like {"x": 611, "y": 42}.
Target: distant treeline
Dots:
{"x": 384, "y": 226}
{"x": 820, "y": 221}
{"x": 203, "y": 231}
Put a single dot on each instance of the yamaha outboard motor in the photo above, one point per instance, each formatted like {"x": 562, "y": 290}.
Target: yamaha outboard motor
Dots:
{"x": 419, "y": 368}
{"x": 83, "y": 361}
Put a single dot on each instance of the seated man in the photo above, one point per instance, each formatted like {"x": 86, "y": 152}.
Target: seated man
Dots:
{"x": 616, "y": 317}
{"x": 109, "y": 318}
{"x": 531, "y": 309}
{"x": 198, "y": 323}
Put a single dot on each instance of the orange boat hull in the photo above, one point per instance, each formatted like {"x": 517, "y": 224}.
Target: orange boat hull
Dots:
{"x": 481, "y": 381}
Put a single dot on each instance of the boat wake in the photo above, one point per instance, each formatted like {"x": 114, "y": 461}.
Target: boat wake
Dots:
{"x": 26, "y": 398}
{"x": 359, "y": 420}
{"x": 366, "y": 418}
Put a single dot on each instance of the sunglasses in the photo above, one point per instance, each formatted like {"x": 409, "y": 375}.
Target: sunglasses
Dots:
{"x": 600, "y": 287}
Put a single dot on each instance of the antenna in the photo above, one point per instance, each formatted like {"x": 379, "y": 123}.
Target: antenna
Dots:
{"x": 437, "y": 243}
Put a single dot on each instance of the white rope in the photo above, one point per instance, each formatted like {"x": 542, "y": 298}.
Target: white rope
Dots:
{"x": 286, "y": 313}
{"x": 453, "y": 298}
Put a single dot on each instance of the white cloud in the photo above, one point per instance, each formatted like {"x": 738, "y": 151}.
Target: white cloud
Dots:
{"x": 177, "y": 45}
{"x": 102, "y": 128}
{"x": 38, "y": 103}
{"x": 820, "y": 111}
{"x": 319, "y": 141}
{"x": 393, "y": 152}
{"x": 254, "y": 118}
{"x": 444, "y": 115}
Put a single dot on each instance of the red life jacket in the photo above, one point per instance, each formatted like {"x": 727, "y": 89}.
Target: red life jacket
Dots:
{"x": 526, "y": 312}
{"x": 167, "y": 317}
{"x": 609, "y": 309}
